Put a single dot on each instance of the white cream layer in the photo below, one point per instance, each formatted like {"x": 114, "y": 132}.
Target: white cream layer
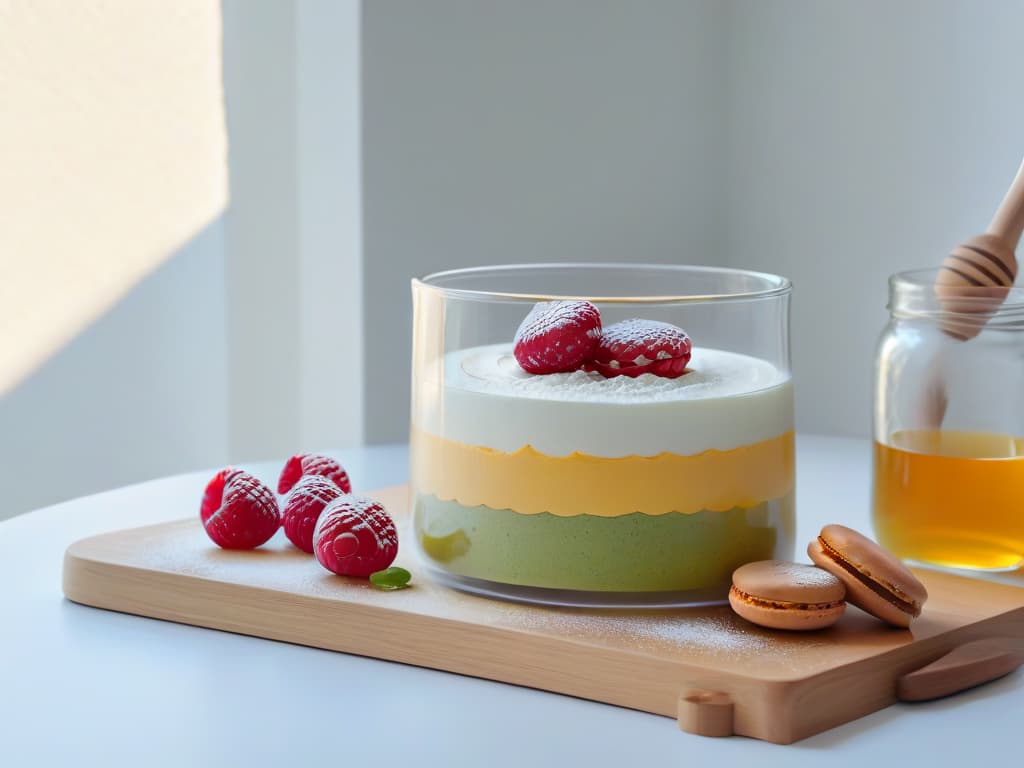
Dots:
{"x": 485, "y": 399}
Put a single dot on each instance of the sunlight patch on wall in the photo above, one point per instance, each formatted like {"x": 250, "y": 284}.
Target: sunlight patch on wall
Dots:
{"x": 112, "y": 154}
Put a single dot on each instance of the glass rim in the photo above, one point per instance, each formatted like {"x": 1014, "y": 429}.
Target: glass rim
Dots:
{"x": 912, "y": 294}
{"x": 778, "y": 285}
{"x": 920, "y": 282}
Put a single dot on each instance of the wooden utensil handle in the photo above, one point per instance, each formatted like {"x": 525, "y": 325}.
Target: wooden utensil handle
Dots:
{"x": 964, "y": 667}
{"x": 1008, "y": 223}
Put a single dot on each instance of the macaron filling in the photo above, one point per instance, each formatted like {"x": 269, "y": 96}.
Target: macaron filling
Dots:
{"x": 783, "y": 605}
{"x": 890, "y": 592}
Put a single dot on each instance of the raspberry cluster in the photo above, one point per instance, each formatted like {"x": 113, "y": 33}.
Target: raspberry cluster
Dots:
{"x": 349, "y": 535}
{"x": 564, "y": 336}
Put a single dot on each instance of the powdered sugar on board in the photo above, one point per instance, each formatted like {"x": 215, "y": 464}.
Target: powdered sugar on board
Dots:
{"x": 713, "y": 633}
{"x": 716, "y": 632}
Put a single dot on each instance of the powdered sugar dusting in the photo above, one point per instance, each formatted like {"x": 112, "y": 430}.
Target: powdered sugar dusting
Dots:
{"x": 640, "y": 342}
{"x": 809, "y": 576}
{"x": 366, "y": 530}
{"x": 327, "y": 467}
{"x": 550, "y": 316}
{"x": 713, "y": 374}
{"x": 248, "y": 514}
{"x": 557, "y": 336}
{"x": 714, "y": 636}
{"x": 795, "y": 574}
{"x": 314, "y": 488}
{"x": 303, "y": 507}
{"x": 357, "y": 513}
{"x": 715, "y": 632}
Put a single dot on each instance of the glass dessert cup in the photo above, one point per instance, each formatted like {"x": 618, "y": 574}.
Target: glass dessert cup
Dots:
{"x": 576, "y": 489}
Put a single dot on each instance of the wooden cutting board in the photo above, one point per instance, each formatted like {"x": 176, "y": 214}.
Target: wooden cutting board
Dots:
{"x": 714, "y": 672}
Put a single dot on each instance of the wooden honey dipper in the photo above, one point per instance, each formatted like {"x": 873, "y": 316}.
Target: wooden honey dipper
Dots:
{"x": 977, "y": 275}
{"x": 975, "y": 279}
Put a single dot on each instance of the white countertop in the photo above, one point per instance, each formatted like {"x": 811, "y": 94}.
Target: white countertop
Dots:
{"x": 84, "y": 687}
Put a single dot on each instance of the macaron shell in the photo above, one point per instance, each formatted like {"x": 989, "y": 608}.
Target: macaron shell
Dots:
{"x": 872, "y": 560}
{"x": 794, "y": 619}
{"x": 788, "y": 582}
{"x": 857, "y": 592}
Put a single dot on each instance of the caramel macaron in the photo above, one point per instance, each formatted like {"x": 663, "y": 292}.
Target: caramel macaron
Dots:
{"x": 783, "y": 595}
{"x": 875, "y": 580}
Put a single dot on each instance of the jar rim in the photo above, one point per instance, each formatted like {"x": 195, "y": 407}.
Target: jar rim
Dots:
{"x": 775, "y": 285}
{"x": 912, "y": 293}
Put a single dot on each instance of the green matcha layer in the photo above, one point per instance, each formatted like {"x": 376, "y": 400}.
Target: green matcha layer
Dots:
{"x": 630, "y": 553}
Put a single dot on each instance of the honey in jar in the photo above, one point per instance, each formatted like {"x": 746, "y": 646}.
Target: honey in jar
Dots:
{"x": 949, "y": 426}
{"x": 951, "y": 498}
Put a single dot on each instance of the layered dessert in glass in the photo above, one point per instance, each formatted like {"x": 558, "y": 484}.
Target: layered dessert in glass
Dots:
{"x": 586, "y": 487}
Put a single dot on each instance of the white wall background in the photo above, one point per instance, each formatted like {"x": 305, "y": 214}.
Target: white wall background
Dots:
{"x": 294, "y": 293}
{"x": 863, "y": 139}
{"x": 834, "y": 143}
{"x": 498, "y": 132}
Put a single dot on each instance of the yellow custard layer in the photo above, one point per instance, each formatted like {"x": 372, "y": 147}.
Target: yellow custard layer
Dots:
{"x": 529, "y": 482}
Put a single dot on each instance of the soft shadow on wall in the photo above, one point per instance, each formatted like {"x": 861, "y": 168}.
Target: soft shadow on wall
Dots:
{"x": 112, "y": 150}
{"x": 141, "y": 390}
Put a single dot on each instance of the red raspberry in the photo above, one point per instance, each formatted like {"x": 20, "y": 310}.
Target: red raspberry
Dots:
{"x": 238, "y": 511}
{"x": 304, "y": 464}
{"x": 215, "y": 491}
{"x": 307, "y": 500}
{"x": 355, "y": 537}
{"x": 634, "y": 347}
{"x": 557, "y": 336}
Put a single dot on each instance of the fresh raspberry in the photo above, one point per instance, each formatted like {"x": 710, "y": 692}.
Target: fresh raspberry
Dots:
{"x": 215, "y": 491}
{"x": 303, "y": 464}
{"x": 557, "y": 336}
{"x": 634, "y": 347}
{"x": 238, "y": 511}
{"x": 355, "y": 537}
{"x": 306, "y": 501}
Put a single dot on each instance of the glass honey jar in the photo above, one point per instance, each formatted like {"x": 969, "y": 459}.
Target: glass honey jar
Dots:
{"x": 948, "y": 486}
